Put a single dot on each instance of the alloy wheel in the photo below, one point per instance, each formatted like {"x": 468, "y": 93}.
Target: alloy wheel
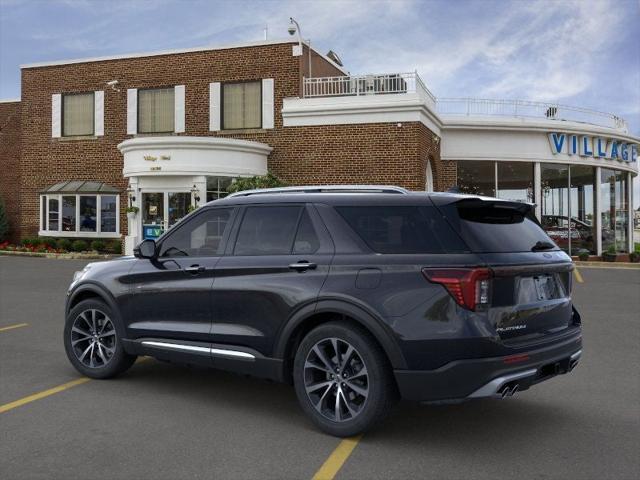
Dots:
{"x": 336, "y": 379}
{"x": 93, "y": 338}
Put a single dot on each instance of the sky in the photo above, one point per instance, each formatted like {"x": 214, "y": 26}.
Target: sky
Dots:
{"x": 584, "y": 53}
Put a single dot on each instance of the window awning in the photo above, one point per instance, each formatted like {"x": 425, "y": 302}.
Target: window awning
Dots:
{"x": 81, "y": 186}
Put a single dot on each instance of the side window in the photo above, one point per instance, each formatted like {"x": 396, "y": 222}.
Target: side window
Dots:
{"x": 267, "y": 231}
{"x": 200, "y": 236}
{"x": 307, "y": 241}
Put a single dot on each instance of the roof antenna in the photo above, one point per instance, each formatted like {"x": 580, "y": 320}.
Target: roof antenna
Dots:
{"x": 266, "y": 33}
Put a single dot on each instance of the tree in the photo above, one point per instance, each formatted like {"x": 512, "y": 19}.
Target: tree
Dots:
{"x": 259, "y": 181}
{"x": 4, "y": 222}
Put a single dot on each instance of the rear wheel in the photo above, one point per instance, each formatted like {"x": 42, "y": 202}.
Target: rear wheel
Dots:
{"x": 92, "y": 342}
{"x": 342, "y": 379}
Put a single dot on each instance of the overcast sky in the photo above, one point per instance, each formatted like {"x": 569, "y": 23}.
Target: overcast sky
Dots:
{"x": 580, "y": 52}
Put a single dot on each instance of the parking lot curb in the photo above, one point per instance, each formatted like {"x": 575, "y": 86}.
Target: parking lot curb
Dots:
{"x": 61, "y": 256}
{"x": 619, "y": 265}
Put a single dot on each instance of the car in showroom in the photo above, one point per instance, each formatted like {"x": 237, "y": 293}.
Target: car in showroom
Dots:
{"x": 355, "y": 295}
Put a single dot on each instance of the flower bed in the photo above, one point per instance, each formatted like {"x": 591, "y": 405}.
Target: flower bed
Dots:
{"x": 53, "y": 246}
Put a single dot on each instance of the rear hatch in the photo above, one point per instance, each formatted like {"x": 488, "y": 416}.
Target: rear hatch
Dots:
{"x": 530, "y": 288}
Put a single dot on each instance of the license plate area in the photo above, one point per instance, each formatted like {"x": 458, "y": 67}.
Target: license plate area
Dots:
{"x": 545, "y": 287}
{"x": 539, "y": 288}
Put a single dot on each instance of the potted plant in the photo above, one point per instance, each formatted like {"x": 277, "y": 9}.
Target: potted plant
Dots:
{"x": 583, "y": 255}
{"x": 610, "y": 255}
{"x": 132, "y": 211}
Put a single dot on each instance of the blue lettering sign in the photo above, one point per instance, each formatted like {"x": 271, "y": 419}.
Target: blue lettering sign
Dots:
{"x": 585, "y": 147}
{"x": 601, "y": 150}
{"x": 573, "y": 149}
{"x": 624, "y": 152}
{"x": 557, "y": 142}
{"x": 634, "y": 153}
{"x": 614, "y": 149}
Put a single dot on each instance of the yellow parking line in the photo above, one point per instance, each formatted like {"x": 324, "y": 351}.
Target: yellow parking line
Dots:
{"x": 52, "y": 391}
{"x": 11, "y": 327}
{"x": 37, "y": 396}
{"x": 578, "y": 276}
{"x": 334, "y": 463}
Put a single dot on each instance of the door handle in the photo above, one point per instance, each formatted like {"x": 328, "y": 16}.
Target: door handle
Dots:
{"x": 303, "y": 266}
{"x": 194, "y": 269}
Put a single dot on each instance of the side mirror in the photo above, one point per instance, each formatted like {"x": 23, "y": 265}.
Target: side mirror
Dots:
{"x": 146, "y": 249}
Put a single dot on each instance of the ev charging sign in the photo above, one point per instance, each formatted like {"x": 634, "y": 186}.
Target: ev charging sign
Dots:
{"x": 596, "y": 147}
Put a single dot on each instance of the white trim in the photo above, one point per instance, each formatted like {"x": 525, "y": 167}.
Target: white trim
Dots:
{"x": 268, "y": 106}
{"x": 132, "y": 111}
{"x": 172, "y": 52}
{"x": 98, "y": 113}
{"x": 56, "y": 115}
{"x": 9, "y": 100}
{"x": 214, "y": 107}
{"x": 176, "y": 346}
{"x": 231, "y": 353}
{"x": 630, "y": 210}
{"x": 184, "y": 142}
{"x": 179, "y": 100}
{"x": 537, "y": 189}
{"x": 391, "y": 108}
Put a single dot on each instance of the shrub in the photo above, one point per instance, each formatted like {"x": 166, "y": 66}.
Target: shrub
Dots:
{"x": 47, "y": 242}
{"x": 115, "y": 247}
{"x": 259, "y": 181}
{"x": 583, "y": 255}
{"x": 65, "y": 244}
{"x": 4, "y": 222}
{"x": 79, "y": 246}
{"x": 98, "y": 245}
{"x": 28, "y": 241}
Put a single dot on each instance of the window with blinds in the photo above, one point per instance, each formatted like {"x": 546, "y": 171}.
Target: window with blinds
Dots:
{"x": 156, "y": 110}
{"x": 241, "y": 105}
{"x": 77, "y": 114}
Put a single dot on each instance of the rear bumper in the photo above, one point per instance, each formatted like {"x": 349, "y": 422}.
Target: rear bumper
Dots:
{"x": 488, "y": 377}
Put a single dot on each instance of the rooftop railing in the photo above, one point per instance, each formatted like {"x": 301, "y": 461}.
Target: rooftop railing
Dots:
{"x": 528, "y": 109}
{"x": 357, "y": 85}
{"x": 402, "y": 83}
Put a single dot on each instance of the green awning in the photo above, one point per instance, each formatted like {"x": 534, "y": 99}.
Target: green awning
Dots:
{"x": 81, "y": 186}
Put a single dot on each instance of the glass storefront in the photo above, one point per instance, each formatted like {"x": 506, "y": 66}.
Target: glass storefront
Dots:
{"x": 477, "y": 177}
{"x": 567, "y": 199}
{"x": 515, "y": 181}
{"x": 554, "y": 204}
{"x": 614, "y": 210}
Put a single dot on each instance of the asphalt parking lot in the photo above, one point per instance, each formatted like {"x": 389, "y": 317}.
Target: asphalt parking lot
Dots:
{"x": 161, "y": 421}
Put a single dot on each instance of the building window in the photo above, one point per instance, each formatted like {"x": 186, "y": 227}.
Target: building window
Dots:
{"x": 515, "y": 181}
{"x": 614, "y": 209}
{"x": 217, "y": 187}
{"x": 241, "y": 105}
{"x": 477, "y": 177}
{"x": 80, "y": 215}
{"x": 156, "y": 110}
{"x": 581, "y": 200}
{"x": 78, "y": 114}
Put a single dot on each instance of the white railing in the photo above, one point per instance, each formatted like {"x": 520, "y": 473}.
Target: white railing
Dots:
{"x": 524, "y": 108}
{"x": 356, "y": 85}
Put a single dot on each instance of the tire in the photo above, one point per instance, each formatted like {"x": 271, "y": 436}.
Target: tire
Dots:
{"x": 319, "y": 389}
{"x": 92, "y": 340}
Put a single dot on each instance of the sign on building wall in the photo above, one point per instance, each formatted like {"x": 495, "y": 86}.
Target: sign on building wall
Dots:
{"x": 590, "y": 146}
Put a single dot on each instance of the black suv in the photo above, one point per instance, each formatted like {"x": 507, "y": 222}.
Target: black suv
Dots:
{"x": 355, "y": 295}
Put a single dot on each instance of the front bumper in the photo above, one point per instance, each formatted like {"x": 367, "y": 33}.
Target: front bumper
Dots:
{"x": 488, "y": 377}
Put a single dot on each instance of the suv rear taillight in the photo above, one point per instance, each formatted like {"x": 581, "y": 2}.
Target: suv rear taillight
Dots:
{"x": 470, "y": 287}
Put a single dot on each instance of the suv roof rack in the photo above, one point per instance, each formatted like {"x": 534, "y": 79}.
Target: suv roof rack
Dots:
{"x": 325, "y": 189}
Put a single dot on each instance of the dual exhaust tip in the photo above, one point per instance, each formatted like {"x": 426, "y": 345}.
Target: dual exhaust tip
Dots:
{"x": 508, "y": 389}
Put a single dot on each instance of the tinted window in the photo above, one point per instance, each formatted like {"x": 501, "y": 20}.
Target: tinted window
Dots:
{"x": 306, "y": 238}
{"x": 496, "y": 227}
{"x": 402, "y": 229}
{"x": 267, "y": 231}
{"x": 200, "y": 236}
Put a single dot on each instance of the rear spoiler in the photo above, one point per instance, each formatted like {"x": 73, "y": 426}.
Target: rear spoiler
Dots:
{"x": 473, "y": 200}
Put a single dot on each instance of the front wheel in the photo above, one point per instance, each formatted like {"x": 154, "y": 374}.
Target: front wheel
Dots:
{"x": 92, "y": 343}
{"x": 343, "y": 379}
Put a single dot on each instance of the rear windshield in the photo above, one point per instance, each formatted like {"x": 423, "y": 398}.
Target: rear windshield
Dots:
{"x": 488, "y": 227}
{"x": 403, "y": 229}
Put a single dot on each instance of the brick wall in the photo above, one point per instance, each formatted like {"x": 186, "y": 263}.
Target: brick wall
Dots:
{"x": 10, "y": 161}
{"x": 372, "y": 153}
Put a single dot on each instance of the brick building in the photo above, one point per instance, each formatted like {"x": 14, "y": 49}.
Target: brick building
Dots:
{"x": 167, "y": 131}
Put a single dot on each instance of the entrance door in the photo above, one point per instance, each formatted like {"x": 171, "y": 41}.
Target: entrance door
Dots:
{"x": 162, "y": 210}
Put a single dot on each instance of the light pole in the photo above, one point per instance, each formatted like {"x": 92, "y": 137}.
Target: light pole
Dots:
{"x": 294, "y": 27}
